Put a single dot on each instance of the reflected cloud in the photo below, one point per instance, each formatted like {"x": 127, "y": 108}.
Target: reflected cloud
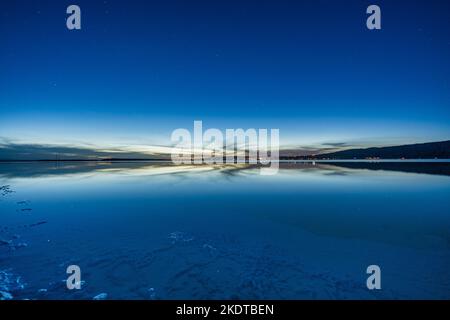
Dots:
{"x": 32, "y": 169}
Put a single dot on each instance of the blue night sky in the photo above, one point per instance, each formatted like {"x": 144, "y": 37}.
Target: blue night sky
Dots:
{"x": 139, "y": 69}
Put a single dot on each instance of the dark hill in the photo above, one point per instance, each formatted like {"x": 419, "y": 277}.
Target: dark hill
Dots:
{"x": 431, "y": 150}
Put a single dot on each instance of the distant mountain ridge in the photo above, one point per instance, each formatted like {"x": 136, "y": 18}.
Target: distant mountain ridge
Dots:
{"x": 430, "y": 150}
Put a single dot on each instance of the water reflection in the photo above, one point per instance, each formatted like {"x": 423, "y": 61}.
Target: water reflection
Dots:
{"x": 42, "y": 169}
{"x": 152, "y": 230}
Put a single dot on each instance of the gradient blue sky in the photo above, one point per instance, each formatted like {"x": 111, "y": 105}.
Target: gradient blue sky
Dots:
{"x": 139, "y": 69}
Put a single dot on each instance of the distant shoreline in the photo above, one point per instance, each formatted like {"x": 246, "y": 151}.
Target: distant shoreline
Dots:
{"x": 89, "y": 160}
{"x": 420, "y": 152}
{"x": 434, "y": 160}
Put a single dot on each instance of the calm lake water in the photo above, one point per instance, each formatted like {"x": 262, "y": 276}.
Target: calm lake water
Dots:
{"x": 156, "y": 231}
